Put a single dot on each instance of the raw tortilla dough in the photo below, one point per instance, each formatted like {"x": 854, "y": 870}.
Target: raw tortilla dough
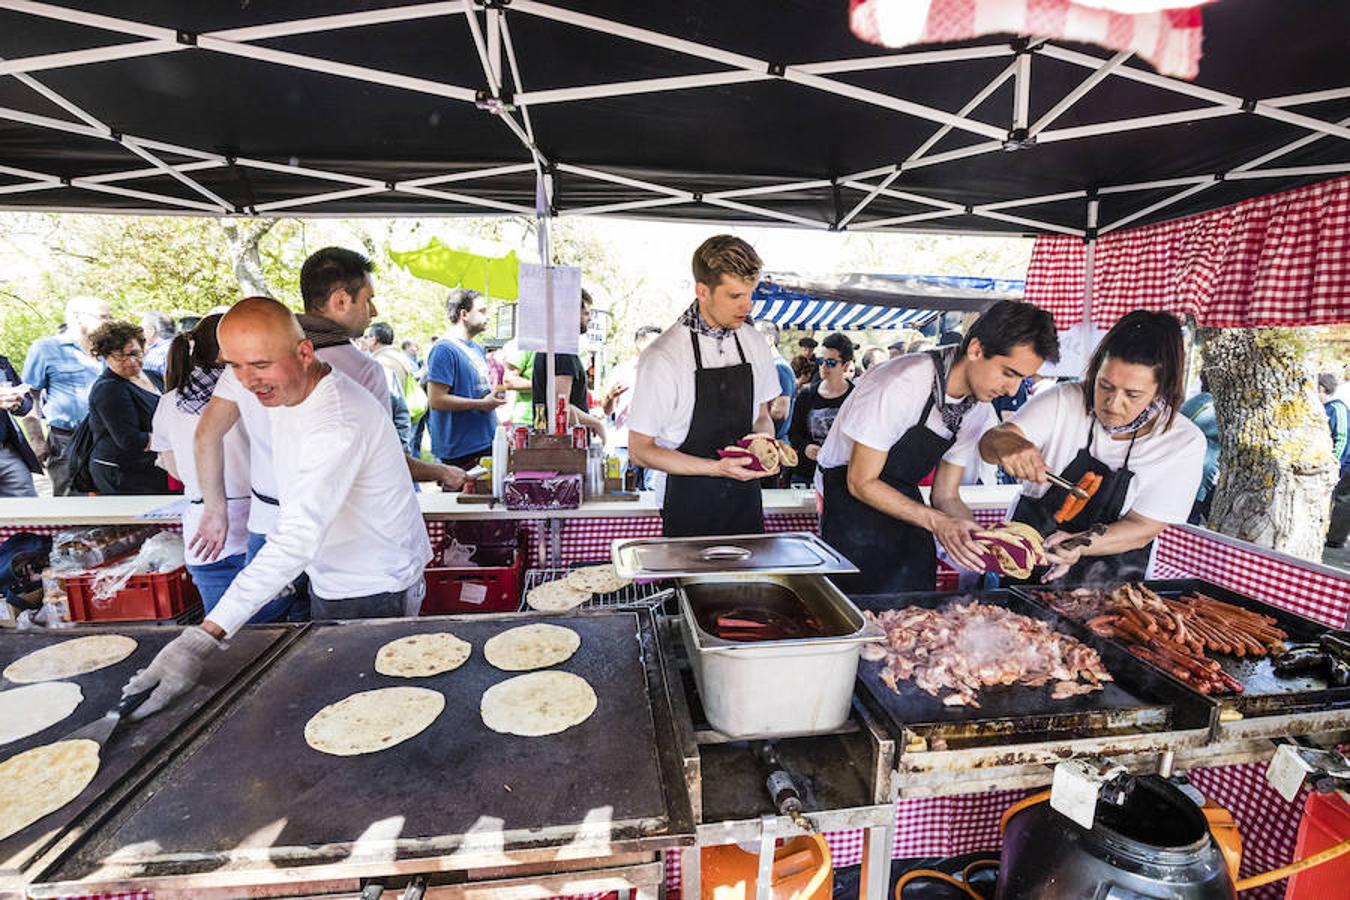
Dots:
{"x": 537, "y": 704}
{"x": 372, "y": 721}
{"x": 597, "y": 579}
{"x": 421, "y": 655}
{"x": 42, "y": 780}
{"x": 556, "y": 596}
{"x": 29, "y": 709}
{"x": 531, "y": 647}
{"x": 69, "y": 658}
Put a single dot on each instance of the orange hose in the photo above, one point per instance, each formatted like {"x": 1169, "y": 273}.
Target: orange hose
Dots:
{"x": 1020, "y": 805}
{"x": 1316, "y": 859}
{"x": 916, "y": 874}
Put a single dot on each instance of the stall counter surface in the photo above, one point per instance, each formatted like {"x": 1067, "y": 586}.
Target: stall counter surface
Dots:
{"x": 27, "y": 511}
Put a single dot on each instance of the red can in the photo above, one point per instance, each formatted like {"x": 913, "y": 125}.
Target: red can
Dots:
{"x": 560, "y": 417}
{"x": 580, "y": 437}
{"x": 522, "y": 437}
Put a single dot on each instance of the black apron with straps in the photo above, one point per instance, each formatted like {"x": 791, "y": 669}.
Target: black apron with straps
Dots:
{"x": 891, "y": 555}
{"x": 698, "y": 505}
{"x": 1104, "y": 508}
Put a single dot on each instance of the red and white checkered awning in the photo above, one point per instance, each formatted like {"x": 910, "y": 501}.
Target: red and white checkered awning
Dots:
{"x": 1277, "y": 260}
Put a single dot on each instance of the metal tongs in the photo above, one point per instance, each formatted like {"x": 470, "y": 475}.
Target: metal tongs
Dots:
{"x": 1073, "y": 489}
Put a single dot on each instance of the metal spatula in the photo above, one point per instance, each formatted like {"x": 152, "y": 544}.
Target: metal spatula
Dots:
{"x": 1071, "y": 488}
{"x": 102, "y": 728}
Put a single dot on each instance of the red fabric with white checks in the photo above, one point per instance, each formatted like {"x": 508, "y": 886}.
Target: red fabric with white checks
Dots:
{"x": 1268, "y": 824}
{"x": 1283, "y": 259}
{"x": 1320, "y": 594}
{"x": 1168, "y": 38}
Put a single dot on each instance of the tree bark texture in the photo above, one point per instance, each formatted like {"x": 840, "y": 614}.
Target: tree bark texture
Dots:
{"x": 1276, "y": 472}
{"x": 243, "y": 238}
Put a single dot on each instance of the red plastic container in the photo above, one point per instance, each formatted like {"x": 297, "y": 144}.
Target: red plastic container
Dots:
{"x": 153, "y": 597}
{"x": 948, "y": 579}
{"x": 476, "y": 589}
{"x": 1325, "y": 823}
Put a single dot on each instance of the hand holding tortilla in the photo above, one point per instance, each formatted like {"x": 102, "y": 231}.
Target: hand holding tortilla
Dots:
{"x": 1011, "y": 548}
{"x": 764, "y": 454}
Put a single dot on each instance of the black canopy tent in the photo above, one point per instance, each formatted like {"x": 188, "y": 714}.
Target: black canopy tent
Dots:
{"x": 702, "y": 110}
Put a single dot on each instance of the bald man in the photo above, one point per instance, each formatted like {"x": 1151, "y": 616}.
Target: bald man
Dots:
{"x": 348, "y": 515}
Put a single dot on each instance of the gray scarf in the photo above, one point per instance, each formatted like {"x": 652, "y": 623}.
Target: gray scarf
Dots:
{"x": 693, "y": 320}
{"x": 952, "y": 413}
{"x": 1151, "y": 412}
{"x": 323, "y": 332}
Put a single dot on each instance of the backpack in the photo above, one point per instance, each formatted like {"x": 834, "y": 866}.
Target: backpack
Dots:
{"x": 23, "y": 556}
{"x": 80, "y": 452}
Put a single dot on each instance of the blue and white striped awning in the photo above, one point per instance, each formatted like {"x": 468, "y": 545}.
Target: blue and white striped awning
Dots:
{"x": 872, "y": 302}
{"x": 800, "y": 311}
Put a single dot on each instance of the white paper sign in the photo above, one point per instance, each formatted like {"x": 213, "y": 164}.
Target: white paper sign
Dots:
{"x": 473, "y": 592}
{"x": 542, "y": 287}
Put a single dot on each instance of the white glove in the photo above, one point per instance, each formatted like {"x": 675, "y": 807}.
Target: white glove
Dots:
{"x": 173, "y": 672}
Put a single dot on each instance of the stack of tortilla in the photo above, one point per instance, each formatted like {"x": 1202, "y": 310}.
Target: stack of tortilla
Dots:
{"x": 577, "y": 587}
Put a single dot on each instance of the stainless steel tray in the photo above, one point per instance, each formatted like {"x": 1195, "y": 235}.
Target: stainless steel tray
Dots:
{"x": 786, "y": 553}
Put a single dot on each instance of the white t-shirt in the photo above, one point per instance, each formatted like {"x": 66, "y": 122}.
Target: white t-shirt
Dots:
{"x": 345, "y": 358}
{"x": 349, "y": 517}
{"x": 663, "y": 392}
{"x": 173, "y": 430}
{"x": 887, "y": 403}
{"x": 1167, "y": 465}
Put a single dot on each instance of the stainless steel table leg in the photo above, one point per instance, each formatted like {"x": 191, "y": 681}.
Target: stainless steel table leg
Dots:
{"x": 554, "y": 543}
{"x": 691, "y": 872}
{"x": 875, "y": 876}
{"x": 764, "y": 878}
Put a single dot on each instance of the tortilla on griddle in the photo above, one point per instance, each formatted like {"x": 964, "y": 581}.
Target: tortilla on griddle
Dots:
{"x": 601, "y": 579}
{"x": 70, "y": 658}
{"x": 531, "y": 647}
{"x": 26, "y": 710}
{"x": 537, "y": 704}
{"x": 371, "y": 721}
{"x": 555, "y": 596}
{"x": 422, "y": 655}
{"x": 40, "y": 781}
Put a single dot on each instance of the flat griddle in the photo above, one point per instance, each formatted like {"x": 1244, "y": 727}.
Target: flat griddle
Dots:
{"x": 251, "y": 793}
{"x": 133, "y": 741}
{"x": 1263, "y": 692}
{"x": 1140, "y": 700}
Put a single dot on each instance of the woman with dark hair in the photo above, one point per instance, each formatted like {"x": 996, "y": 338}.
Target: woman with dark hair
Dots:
{"x": 1121, "y": 424}
{"x": 190, "y": 376}
{"x": 121, "y": 405}
{"x": 818, "y": 404}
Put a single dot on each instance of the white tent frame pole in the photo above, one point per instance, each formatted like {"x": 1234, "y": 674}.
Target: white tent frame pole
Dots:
{"x": 879, "y": 224}
{"x": 493, "y": 19}
{"x": 1022, "y": 91}
{"x": 1119, "y": 125}
{"x": 1290, "y": 172}
{"x": 514, "y": 65}
{"x": 641, "y": 86}
{"x": 1089, "y": 262}
{"x": 869, "y": 196}
{"x": 1032, "y": 201}
{"x": 277, "y": 205}
{"x": 1310, "y": 97}
{"x": 1080, "y": 91}
{"x": 938, "y": 159}
{"x": 786, "y": 188}
{"x": 627, "y": 206}
{"x": 900, "y": 60}
{"x": 906, "y": 196}
{"x": 1161, "y": 204}
{"x": 432, "y": 180}
{"x": 1021, "y": 220}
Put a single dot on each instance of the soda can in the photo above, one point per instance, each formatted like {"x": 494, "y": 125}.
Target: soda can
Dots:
{"x": 522, "y": 437}
{"x": 580, "y": 437}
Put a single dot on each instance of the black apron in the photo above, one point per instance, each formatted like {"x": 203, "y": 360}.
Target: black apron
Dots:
{"x": 1104, "y": 507}
{"x": 697, "y": 505}
{"x": 892, "y": 556}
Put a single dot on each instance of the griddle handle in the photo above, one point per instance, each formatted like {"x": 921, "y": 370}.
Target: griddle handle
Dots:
{"x": 372, "y": 891}
{"x": 416, "y": 889}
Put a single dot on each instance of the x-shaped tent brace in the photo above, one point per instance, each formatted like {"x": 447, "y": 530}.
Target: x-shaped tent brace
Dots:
{"x": 489, "y": 28}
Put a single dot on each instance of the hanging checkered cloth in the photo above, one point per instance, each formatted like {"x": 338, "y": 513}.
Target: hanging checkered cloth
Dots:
{"x": 1277, "y": 260}
{"x": 1166, "y": 33}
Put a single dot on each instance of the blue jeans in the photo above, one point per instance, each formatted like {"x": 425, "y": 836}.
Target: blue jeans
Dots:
{"x": 213, "y": 578}
{"x": 292, "y": 604}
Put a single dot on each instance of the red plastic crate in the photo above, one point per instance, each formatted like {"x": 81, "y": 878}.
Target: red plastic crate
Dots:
{"x": 948, "y": 579}
{"x": 150, "y": 597}
{"x": 1325, "y": 823}
{"x": 475, "y": 589}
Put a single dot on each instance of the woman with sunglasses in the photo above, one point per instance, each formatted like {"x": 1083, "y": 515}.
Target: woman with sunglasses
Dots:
{"x": 1120, "y": 425}
{"x": 818, "y": 404}
{"x": 122, "y": 405}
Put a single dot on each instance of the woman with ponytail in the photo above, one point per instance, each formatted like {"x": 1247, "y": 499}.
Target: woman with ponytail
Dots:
{"x": 190, "y": 376}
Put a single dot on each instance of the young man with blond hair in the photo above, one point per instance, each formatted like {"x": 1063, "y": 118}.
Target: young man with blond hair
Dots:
{"x": 706, "y": 382}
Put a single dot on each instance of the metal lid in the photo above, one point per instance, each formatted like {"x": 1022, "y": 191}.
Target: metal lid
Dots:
{"x": 788, "y": 553}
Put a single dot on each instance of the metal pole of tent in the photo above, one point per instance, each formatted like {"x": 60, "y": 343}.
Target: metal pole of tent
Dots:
{"x": 1089, "y": 260}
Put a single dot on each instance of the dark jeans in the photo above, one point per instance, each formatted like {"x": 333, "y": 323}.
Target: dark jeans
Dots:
{"x": 58, "y": 460}
{"x": 1340, "y": 511}
{"x": 388, "y": 605}
{"x": 419, "y": 431}
{"x": 124, "y": 480}
{"x": 292, "y": 604}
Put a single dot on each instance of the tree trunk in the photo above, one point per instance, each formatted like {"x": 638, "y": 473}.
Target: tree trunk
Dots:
{"x": 1275, "y": 467}
{"x": 243, "y": 238}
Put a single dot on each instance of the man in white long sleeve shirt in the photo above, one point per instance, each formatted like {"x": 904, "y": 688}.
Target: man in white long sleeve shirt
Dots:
{"x": 348, "y": 516}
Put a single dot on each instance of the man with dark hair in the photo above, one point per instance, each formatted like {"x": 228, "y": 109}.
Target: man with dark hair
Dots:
{"x": 804, "y": 365}
{"x": 463, "y": 403}
{"x": 819, "y": 403}
{"x": 704, "y": 384}
{"x": 569, "y": 379}
{"x": 912, "y": 414}
{"x": 159, "y": 331}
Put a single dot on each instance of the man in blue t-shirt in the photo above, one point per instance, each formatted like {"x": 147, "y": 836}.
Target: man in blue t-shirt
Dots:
{"x": 62, "y": 370}
{"x": 463, "y": 405}
{"x": 780, "y": 410}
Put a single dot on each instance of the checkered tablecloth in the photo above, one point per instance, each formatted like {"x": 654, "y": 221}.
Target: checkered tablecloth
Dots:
{"x": 1282, "y": 259}
{"x": 1320, "y": 594}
